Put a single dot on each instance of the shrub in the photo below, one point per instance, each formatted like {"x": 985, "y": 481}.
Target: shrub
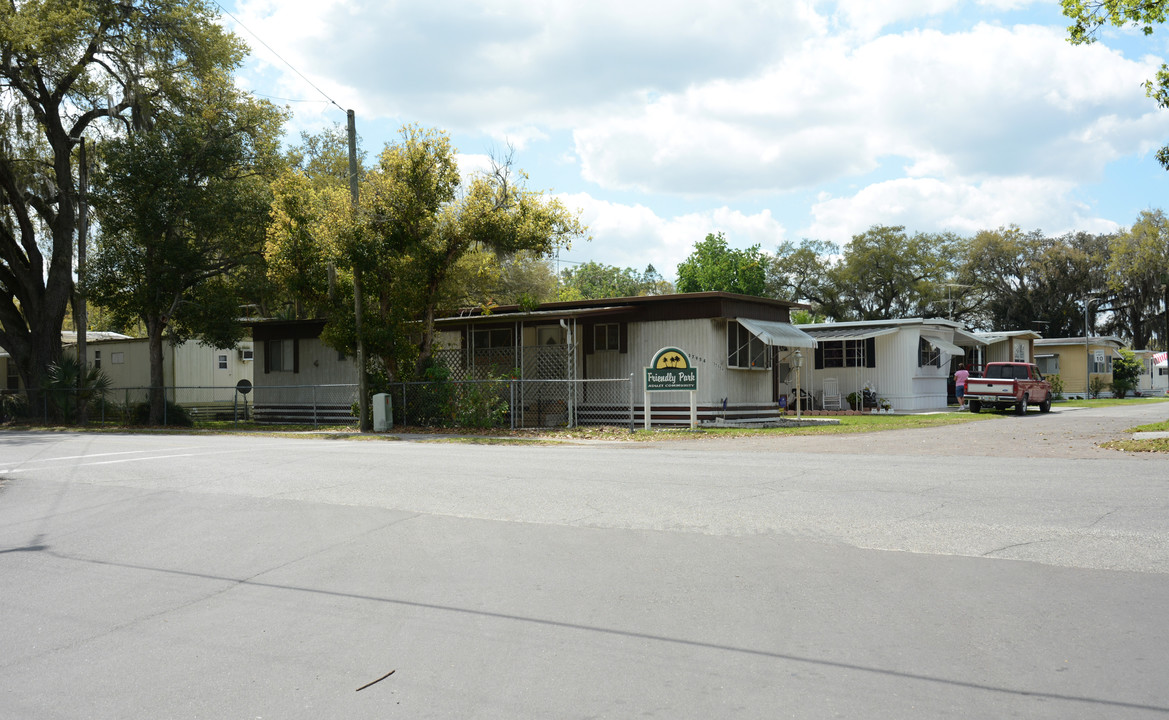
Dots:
{"x": 1126, "y": 372}
{"x": 1056, "y": 386}
{"x": 481, "y": 405}
{"x": 176, "y": 415}
{"x": 1096, "y": 386}
{"x": 13, "y": 405}
{"x": 67, "y": 385}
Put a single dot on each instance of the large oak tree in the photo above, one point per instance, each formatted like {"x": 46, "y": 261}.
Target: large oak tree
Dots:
{"x": 65, "y": 66}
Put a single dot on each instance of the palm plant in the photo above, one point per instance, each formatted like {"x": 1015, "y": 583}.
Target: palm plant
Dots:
{"x": 70, "y": 388}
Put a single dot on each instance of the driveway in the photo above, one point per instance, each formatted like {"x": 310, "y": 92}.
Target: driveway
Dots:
{"x": 1065, "y": 432}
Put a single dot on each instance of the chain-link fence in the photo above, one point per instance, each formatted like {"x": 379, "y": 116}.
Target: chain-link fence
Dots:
{"x": 492, "y": 403}
{"x": 513, "y": 403}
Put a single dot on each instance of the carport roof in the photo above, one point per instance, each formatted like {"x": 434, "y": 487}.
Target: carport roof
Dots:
{"x": 836, "y": 333}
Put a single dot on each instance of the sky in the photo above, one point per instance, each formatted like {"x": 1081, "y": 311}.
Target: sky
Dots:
{"x": 766, "y": 120}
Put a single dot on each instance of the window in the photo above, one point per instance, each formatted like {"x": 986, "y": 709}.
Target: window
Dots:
{"x": 1101, "y": 362}
{"x": 280, "y": 356}
{"x": 745, "y": 350}
{"x": 1048, "y": 365}
{"x": 117, "y": 358}
{"x": 13, "y": 376}
{"x": 607, "y": 337}
{"x": 845, "y": 353}
{"x": 550, "y": 335}
{"x": 928, "y": 354}
{"x": 97, "y": 359}
{"x": 222, "y": 362}
{"x": 493, "y": 338}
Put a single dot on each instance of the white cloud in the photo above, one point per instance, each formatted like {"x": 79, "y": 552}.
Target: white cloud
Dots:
{"x": 514, "y": 63}
{"x": 928, "y": 205}
{"x": 722, "y": 103}
{"x": 983, "y": 103}
{"x": 636, "y": 236}
{"x": 867, "y": 17}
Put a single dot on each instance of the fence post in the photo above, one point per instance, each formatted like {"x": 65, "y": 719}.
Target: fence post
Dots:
{"x": 511, "y": 403}
{"x": 631, "y": 403}
{"x": 315, "y": 425}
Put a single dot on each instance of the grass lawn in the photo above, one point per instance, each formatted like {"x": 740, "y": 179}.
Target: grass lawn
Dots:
{"x": 1160, "y": 445}
{"x": 1111, "y": 402}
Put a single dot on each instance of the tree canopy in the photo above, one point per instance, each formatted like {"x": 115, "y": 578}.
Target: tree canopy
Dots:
{"x": 183, "y": 204}
{"x": 714, "y": 266}
{"x": 418, "y": 231}
{"x": 593, "y": 280}
{"x": 65, "y": 66}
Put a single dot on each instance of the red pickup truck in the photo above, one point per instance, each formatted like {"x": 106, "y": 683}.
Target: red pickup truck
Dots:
{"x": 1005, "y": 385}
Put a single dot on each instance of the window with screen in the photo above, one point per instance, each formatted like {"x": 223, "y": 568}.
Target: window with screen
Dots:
{"x": 745, "y": 350}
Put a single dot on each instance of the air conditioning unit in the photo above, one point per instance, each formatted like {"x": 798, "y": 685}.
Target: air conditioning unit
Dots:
{"x": 246, "y": 353}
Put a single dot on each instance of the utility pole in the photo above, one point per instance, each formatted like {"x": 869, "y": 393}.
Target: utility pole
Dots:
{"x": 1087, "y": 350}
{"x": 364, "y": 424}
{"x": 80, "y": 314}
{"x": 1165, "y": 287}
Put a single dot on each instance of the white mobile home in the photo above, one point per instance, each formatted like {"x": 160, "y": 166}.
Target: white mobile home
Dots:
{"x": 742, "y": 346}
{"x": 906, "y": 362}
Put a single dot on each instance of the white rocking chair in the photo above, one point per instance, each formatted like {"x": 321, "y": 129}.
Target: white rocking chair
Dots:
{"x": 830, "y": 396}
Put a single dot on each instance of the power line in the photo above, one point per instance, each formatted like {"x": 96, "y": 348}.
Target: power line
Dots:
{"x": 279, "y": 56}
{"x": 284, "y": 99}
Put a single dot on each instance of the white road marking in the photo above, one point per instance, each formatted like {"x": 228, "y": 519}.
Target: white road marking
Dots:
{"x": 140, "y": 459}
{"x": 95, "y": 455}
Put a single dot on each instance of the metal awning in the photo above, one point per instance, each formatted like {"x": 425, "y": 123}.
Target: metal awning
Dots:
{"x": 943, "y": 345}
{"x": 831, "y": 333}
{"x": 778, "y": 333}
{"x": 971, "y": 339}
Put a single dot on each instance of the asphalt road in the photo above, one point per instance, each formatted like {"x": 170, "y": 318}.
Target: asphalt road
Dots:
{"x": 1008, "y": 568}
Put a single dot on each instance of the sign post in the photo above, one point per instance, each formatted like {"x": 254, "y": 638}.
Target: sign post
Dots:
{"x": 243, "y": 387}
{"x": 671, "y": 371}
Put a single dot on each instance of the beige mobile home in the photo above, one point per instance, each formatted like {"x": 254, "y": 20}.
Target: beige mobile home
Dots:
{"x": 1076, "y": 361}
{"x": 195, "y": 373}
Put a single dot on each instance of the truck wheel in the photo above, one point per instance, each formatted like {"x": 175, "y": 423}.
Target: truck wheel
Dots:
{"x": 1021, "y": 406}
{"x": 1045, "y": 406}
{"x": 975, "y": 406}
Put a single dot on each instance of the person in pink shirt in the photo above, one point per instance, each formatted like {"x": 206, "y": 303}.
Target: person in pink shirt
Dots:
{"x": 960, "y": 385}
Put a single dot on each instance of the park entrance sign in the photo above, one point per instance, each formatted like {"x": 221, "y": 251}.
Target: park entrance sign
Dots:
{"x": 670, "y": 370}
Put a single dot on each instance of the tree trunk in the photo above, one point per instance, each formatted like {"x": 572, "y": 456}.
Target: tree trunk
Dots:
{"x": 154, "y": 328}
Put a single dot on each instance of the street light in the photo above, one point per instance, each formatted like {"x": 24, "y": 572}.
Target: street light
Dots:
{"x": 798, "y": 363}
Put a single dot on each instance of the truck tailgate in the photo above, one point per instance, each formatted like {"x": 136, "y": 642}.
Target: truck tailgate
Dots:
{"x": 981, "y": 386}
